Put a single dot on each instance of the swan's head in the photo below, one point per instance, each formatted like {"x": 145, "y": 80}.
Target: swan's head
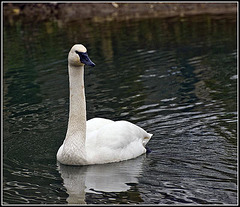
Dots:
{"x": 78, "y": 56}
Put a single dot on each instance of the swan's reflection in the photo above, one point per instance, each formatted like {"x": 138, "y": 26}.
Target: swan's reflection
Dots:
{"x": 112, "y": 177}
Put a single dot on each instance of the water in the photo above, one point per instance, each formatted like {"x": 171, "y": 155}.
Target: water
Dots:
{"x": 174, "y": 77}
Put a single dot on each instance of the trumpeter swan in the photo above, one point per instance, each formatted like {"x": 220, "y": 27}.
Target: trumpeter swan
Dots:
{"x": 97, "y": 140}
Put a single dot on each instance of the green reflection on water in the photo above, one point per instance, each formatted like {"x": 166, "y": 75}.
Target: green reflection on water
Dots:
{"x": 202, "y": 49}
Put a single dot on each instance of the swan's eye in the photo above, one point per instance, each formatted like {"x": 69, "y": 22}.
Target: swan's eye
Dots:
{"x": 79, "y": 53}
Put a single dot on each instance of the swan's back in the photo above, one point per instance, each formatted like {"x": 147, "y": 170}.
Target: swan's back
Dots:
{"x": 97, "y": 123}
{"x": 109, "y": 141}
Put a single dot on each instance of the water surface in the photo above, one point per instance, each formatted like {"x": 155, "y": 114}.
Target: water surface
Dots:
{"x": 174, "y": 77}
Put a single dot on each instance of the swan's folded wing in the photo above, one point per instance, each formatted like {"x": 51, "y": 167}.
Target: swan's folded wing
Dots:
{"x": 117, "y": 141}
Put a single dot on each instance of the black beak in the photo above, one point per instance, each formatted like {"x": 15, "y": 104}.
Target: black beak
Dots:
{"x": 85, "y": 59}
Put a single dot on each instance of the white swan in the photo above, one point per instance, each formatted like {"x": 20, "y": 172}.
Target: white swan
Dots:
{"x": 97, "y": 140}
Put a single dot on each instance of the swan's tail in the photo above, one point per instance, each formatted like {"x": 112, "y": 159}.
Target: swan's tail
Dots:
{"x": 146, "y": 139}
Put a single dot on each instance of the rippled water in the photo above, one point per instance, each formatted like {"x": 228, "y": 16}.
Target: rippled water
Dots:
{"x": 175, "y": 77}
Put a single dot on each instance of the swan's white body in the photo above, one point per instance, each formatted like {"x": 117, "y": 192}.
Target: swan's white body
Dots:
{"x": 97, "y": 140}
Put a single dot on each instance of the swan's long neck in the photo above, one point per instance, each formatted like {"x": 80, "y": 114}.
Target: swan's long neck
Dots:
{"x": 77, "y": 108}
{"x": 76, "y": 132}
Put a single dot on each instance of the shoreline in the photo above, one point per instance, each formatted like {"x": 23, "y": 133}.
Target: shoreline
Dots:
{"x": 67, "y": 12}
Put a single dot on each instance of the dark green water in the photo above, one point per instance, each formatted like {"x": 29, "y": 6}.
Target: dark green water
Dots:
{"x": 175, "y": 77}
